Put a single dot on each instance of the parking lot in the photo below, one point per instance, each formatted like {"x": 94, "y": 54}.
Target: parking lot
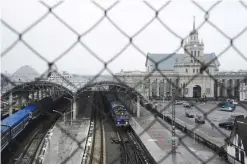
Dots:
{"x": 215, "y": 117}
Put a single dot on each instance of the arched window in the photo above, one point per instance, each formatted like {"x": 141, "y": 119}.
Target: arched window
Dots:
{"x": 193, "y": 70}
{"x": 186, "y": 70}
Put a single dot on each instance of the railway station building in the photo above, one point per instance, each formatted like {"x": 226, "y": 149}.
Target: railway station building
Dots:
{"x": 195, "y": 72}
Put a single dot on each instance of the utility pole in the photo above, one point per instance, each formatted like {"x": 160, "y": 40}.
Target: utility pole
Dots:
{"x": 174, "y": 93}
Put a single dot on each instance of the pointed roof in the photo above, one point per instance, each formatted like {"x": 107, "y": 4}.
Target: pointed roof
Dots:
{"x": 194, "y": 26}
{"x": 194, "y": 31}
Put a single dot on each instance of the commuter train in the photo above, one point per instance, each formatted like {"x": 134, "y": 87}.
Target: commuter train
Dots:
{"x": 16, "y": 123}
{"x": 119, "y": 113}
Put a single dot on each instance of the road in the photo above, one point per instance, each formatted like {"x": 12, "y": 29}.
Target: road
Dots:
{"x": 215, "y": 117}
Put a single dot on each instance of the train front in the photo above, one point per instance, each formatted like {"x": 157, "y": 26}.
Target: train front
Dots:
{"x": 121, "y": 117}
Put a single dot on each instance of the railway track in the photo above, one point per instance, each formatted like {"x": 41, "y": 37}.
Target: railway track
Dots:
{"x": 133, "y": 150}
{"x": 31, "y": 149}
{"x": 14, "y": 151}
{"x": 94, "y": 152}
{"x": 27, "y": 143}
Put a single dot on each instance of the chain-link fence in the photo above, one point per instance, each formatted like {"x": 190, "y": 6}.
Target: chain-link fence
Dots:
{"x": 192, "y": 57}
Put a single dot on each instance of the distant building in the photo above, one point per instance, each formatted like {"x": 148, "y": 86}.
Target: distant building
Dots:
{"x": 196, "y": 73}
{"x": 243, "y": 92}
{"x": 63, "y": 75}
{"x": 237, "y": 144}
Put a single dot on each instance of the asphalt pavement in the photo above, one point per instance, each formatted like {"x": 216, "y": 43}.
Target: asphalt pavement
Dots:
{"x": 215, "y": 117}
{"x": 157, "y": 139}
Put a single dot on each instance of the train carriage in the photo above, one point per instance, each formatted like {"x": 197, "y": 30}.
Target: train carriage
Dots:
{"x": 5, "y": 136}
{"x": 16, "y": 123}
{"x": 12, "y": 126}
{"x": 32, "y": 110}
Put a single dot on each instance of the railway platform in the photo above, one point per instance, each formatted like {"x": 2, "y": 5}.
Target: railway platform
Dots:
{"x": 157, "y": 140}
{"x": 63, "y": 146}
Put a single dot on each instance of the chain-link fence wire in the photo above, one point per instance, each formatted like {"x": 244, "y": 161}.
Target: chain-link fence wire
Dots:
{"x": 52, "y": 65}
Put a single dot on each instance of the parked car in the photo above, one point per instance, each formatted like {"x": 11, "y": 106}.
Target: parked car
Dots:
{"x": 228, "y": 107}
{"x": 199, "y": 119}
{"x": 189, "y": 113}
{"x": 177, "y": 102}
{"x": 234, "y": 102}
{"x": 229, "y": 122}
{"x": 187, "y": 105}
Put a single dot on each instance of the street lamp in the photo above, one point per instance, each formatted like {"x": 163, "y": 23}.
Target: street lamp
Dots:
{"x": 71, "y": 101}
{"x": 63, "y": 115}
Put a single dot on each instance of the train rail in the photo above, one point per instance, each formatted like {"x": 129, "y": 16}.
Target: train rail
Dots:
{"x": 16, "y": 149}
{"x": 24, "y": 147}
{"x": 94, "y": 152}
{"x": 134, "y": 152}
{"x": 31, "y": 149}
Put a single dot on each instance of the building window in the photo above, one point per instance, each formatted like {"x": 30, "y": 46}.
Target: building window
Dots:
{"x": 242, "y": 157}
{"x": 208, "y": 91}
{"x": 198, "y": 53}
{"x": 196, "y": 70}
{"x": 186, "y": 70}
{"x": 191, "y": 61}
{"x": 193, "y": 70}
{"x": 191, "y": 53}
{"x": 237, "y": 153}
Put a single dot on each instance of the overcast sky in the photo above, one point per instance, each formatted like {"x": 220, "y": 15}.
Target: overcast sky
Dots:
{"x": 50, "y": 37}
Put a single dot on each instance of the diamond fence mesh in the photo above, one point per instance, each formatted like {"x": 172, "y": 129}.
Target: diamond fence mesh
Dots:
{"x": 203, "y": 69}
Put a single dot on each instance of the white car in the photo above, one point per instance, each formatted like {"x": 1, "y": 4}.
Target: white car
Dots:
{"x": 178, "y": 102}
{"x": 234, "y": 102}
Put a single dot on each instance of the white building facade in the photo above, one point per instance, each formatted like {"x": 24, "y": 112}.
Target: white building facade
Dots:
{"x": 196, "y": 74}
{"x": 63, "y": 75}
{"x": 237, "y": 144}
{"x": 243, "y": 92}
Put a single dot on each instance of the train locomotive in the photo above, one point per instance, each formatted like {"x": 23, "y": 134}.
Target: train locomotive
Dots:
{"x": 119, "y": 113}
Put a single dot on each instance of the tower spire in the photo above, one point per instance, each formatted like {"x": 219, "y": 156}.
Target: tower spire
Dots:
{"x": 194, "y": 26}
